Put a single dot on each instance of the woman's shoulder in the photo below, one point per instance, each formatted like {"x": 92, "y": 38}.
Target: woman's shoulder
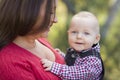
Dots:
{"x": 13, "y": 62}
{"x": 9, "y": 50}
{"x": 11, "y": 53}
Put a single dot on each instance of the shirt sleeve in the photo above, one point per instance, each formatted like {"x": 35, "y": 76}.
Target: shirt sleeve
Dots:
{"x": 87, "y": 71}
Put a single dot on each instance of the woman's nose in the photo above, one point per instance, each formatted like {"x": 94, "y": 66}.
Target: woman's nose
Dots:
{"x": 55, "y": 20}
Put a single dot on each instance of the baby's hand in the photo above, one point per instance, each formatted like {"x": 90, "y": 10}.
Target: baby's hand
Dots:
{"x": 60, "y": 52}
{"x": 47, "y": 64}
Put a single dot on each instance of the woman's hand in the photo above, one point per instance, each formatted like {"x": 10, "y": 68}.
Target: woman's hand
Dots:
{"x": 47, "y": 64}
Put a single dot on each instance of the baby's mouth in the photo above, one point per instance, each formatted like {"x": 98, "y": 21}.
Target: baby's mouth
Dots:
{"x": 79, "y": 43}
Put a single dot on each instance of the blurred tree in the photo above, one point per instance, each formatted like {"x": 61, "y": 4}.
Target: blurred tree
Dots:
{"x": 112, "y": 11}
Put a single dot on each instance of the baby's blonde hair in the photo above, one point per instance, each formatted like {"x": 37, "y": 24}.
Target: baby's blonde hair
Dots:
{"x": 86, "y": 14}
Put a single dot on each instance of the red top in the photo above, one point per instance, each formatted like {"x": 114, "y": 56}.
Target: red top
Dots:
{"x": 17, "y": 63}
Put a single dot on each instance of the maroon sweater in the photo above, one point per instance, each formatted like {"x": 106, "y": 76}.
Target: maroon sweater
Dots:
{"x": 17, "y": 63}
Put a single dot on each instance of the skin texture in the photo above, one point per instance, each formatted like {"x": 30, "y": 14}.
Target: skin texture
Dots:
{"x": 82, "y": 34}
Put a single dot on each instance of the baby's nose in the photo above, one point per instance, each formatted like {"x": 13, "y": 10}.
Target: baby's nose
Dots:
{"x": 79, "y": 35}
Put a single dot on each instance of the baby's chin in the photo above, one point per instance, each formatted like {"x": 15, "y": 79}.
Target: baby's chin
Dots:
{"x": 78, "y": 50}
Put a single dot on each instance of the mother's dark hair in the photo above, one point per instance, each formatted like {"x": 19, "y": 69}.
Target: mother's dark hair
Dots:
{"x": 18, "y": 17}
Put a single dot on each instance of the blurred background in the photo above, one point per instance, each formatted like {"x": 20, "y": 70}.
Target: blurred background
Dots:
{"x": 108, "y": 14}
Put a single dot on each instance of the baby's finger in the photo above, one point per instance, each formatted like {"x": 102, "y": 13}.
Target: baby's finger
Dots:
{"x": 44, "y": 65}
{"x": 47, "y": 69}
{"x": 43, "y": 61}
{"x": 57, "y": 49}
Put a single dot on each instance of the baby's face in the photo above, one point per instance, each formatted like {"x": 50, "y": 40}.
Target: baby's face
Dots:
{"x": 83, "y": 33}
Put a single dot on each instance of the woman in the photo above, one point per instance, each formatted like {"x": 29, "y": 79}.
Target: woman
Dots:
{"x": 24, "y": 25}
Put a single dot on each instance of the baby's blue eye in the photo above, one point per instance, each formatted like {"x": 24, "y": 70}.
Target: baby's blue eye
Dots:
{"x": 86, "y": 33}
{"x": 74, "y": 32}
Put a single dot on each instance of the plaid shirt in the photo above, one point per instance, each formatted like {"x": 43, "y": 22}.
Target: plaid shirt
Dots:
{"x": 87, "y": 68}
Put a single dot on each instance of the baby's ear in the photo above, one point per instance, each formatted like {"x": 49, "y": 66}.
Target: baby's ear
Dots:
{"x": 97, "y": 39}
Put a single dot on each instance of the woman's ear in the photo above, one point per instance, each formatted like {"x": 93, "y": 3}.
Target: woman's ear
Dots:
{"x": 97, "y": 39}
